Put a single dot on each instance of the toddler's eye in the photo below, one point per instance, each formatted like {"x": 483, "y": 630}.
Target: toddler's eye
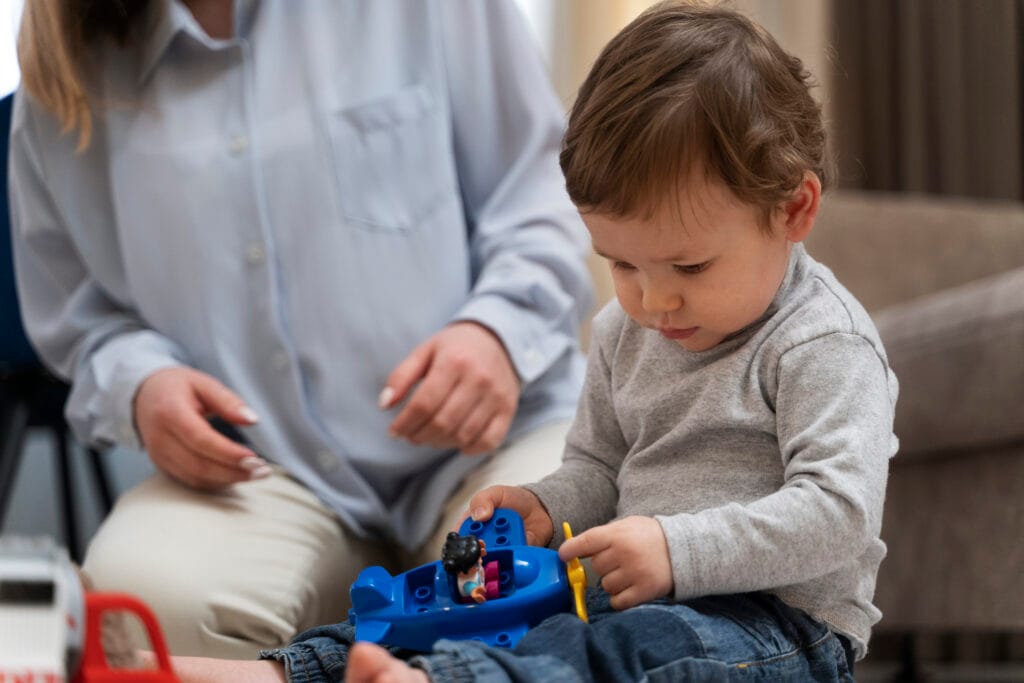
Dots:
{"x": 692, "y": 269}
{"x": 622, "y": 265}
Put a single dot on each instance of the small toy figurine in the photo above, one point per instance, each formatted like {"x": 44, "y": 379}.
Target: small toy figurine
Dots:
{"x": 463, "y": 556}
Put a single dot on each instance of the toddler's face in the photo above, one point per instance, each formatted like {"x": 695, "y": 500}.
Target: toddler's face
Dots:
{"x": 698, "y": 271}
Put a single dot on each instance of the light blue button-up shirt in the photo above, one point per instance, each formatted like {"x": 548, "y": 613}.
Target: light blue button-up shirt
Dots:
{"x": 293, "y": 211}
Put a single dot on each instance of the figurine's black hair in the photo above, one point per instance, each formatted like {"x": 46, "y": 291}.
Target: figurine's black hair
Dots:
{"x": 460, "y": 553}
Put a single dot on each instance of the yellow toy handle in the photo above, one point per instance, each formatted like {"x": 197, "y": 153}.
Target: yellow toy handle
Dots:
{"x": 577, "y": 579}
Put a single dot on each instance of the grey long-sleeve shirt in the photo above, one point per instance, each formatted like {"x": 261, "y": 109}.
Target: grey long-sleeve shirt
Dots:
{"x": 764, "y": 459}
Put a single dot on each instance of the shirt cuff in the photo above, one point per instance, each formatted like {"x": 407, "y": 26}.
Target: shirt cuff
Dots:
{"x": 531, "y": 344}
{"x": 100, "y": 408}
{"x": 684, "y": 550}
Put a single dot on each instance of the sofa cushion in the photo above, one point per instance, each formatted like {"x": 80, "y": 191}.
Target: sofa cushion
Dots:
{"x": 954, "y": 527}
{"x": 890, "y": 248}
{"x": 959, "y": 358}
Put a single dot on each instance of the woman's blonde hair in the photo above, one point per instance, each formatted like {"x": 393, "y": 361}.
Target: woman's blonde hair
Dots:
{"x": 53, "y": 53}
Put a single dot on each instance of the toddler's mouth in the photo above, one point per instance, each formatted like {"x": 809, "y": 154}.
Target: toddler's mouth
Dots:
{"x": 677, "y": 332}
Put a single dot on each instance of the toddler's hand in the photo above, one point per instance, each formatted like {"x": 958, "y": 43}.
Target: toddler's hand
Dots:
{"x": 171, "y": 407}
{"x": 536, "y": 520}
{"x": 631, "y": 557}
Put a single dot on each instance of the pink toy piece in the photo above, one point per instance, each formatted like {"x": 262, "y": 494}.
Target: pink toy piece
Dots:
{"x": 491, "y": 579}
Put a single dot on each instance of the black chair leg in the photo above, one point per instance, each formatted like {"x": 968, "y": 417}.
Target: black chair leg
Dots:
{"x": 35, "y": 400}
{"x": 910, "y": 665}
{"x": 101, "y": 480}
{"x": 13, "y": 428}
{"x": 66, "y": 500}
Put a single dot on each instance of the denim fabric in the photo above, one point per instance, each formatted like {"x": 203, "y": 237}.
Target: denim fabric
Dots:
{"x": 745, "y": 637}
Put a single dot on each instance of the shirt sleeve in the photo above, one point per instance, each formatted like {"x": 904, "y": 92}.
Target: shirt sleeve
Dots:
{"x": 79, "y": 332}
{"x": 527, "y": 243}
{"x": 834, "y": 413}
{"x": 584, "y": 490}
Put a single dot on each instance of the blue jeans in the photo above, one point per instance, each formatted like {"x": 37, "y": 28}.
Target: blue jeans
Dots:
{"x": 753, "y": 636}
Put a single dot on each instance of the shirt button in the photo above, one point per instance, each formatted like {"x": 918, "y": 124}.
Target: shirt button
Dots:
{"x": 280, "y": 360}
{"x": 327, "y": 460}
{"x": 238, "y": 144}
{"x": 255, "y": 254}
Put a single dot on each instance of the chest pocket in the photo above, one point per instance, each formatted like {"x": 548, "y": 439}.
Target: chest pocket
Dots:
{"x": 392, "y": 160}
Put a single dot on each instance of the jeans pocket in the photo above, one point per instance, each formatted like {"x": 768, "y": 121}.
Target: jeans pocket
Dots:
{"x": 392, "y": 159}
{"x": 754, "y": 614}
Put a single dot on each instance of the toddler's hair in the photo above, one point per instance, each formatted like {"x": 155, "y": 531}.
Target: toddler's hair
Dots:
{"x": 689, "y": 87}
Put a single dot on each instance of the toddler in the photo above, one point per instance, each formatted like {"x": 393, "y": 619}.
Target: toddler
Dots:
{"x": 728, "y": 461}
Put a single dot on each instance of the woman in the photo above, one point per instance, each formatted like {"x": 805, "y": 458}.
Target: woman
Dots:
{"x": 338, "y": 231}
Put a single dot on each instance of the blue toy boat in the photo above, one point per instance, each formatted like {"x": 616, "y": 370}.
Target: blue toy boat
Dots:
{"x": 414, "y": 609}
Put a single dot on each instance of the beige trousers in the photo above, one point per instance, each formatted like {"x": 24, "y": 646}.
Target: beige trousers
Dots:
{"x": 229, "y": 573}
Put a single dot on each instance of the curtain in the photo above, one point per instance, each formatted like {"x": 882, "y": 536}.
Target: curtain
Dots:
{"x": 928, "y": 96}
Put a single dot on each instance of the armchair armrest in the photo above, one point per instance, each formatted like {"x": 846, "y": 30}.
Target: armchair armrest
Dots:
{"x": 959, "y": 357}
{"x": 889, "y": 248}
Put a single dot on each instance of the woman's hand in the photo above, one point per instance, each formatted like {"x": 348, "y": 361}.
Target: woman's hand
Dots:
{"x": 536, "y": 521}
{"x": 170, "y": 409}
{"x": 467, "y": 395}
{"x": 631, "y": 557}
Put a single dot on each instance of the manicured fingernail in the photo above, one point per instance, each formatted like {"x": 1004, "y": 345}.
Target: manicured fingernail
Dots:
{"x": 248, "y": 414}
{"x": 252, "y": 463}
{"x": 384, "y": 400}
{"x": 261, "y": 472}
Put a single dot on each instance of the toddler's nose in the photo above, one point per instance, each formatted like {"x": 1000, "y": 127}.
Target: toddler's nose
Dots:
{"x": 661, "y": 300}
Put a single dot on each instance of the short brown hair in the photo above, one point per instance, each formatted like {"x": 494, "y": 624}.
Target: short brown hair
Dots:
{"x": 688, "y": 86}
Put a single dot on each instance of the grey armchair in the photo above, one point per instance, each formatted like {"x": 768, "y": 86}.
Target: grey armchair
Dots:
{"x": 944, "y": 281}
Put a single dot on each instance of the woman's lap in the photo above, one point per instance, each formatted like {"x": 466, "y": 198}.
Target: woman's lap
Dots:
{"x": 230, "y": 572}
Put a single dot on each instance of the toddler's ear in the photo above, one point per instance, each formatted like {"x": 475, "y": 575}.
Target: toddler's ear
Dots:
{"x": 799, "y": 211}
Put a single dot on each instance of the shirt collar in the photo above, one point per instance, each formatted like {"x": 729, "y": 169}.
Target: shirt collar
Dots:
{"x": 167, "y": 18}
{"x": 794, "y": 273}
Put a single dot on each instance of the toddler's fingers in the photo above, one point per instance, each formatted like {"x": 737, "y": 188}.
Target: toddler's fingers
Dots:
{"x": 614, "y": 582}
{"x": 605, "y": 562}
{"x": 630, "y": 597}
{"x": 482, "y": 504}
{"x": 587, "y": 544}
{"x": 462, "y": 518}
